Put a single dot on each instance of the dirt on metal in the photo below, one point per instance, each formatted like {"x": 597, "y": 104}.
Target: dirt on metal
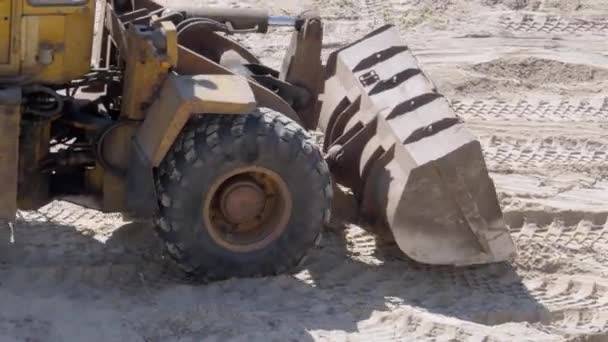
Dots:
{"x": 528, "y": 77}
{"x": 248, "y": 209}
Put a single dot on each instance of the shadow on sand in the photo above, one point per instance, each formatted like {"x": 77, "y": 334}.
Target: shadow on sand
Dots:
{"x": 337, "y": 291}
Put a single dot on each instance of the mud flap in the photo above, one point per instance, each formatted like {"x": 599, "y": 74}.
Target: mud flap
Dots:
{"x": 410, "y": 160}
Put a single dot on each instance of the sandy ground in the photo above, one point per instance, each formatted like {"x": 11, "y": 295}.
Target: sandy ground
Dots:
{"x": 530, "y": 78}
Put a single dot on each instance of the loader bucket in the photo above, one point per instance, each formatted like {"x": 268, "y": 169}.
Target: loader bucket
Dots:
{"x": 411, "y": 162}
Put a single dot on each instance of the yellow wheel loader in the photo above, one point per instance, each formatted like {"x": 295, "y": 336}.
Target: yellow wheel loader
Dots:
{"x": 160, "y": 114}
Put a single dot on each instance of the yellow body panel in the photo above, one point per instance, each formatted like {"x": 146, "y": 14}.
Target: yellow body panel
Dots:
{"x": 184, "y": 96}
{"x": 9, "y": 38}
{"x": 5, "y": 31}
{"x": 147, "y": 66}
{"x": 47, "y": 44}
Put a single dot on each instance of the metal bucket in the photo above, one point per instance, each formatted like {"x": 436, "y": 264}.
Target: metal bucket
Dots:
{"x": 411, "y": 162}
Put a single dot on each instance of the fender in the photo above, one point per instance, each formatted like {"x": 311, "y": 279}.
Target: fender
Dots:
{"x": 183, "y": 96}
{"x": 179, "y": 98}
{"x": 192, "y": 63}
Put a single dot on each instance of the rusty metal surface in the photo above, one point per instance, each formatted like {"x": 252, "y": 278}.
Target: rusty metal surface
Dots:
{"x": 148, "y": 55}
{"x": 242, "y": 201}
{"x": 410, "y": 160}
{"x": 183, "y": 96}
{"x": 247, "y": 209}
{"x": 10, "y": 118}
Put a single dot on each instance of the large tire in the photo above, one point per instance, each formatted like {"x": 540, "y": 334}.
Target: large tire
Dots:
{"x": 211, "y": 151}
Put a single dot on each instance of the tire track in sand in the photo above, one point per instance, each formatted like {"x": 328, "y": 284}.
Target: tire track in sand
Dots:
{"x": 579, "y": 234}
{"x": 574, "y": 303}
{"x": 565, "y": 110}
{"x": 551, "y": 24}
{"x": 543, "y": 154}
{"x": 430, "y": 302}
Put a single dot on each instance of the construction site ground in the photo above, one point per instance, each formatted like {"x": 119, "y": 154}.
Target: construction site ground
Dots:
{"x": 530, "y": 79}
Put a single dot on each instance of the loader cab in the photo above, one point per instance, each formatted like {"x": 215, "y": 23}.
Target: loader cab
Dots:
{"x": 46, "y": 41}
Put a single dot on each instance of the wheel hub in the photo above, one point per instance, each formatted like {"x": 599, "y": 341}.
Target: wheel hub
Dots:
{"x": 242, "y": 202}
{"x": 247, "y": 209}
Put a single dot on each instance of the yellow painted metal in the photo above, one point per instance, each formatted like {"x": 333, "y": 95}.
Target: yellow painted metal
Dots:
{"x": 192, "y": 63}
{"x": 182, "y": 96}
{"x": 38, "y": 39}
{"x": 10, "y": 117}
{"x": 30, "y": 29}
{"x": 5, "y": 31}
{"x": 79, "y": 33}
{"x": 50, "y": 44}
{"x": 147, "y": 67}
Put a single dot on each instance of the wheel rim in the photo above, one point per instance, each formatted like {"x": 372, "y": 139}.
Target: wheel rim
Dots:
{"x": 247, "y": 209}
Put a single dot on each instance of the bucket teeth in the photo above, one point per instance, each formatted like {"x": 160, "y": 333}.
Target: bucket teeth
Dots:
{"x": 412, "y": 163}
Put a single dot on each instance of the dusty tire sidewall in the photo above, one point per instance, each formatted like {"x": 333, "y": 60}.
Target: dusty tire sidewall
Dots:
{"x": 293, "y": 162}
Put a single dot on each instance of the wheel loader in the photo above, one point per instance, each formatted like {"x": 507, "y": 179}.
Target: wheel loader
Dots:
{"x": 159, "y": 113}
